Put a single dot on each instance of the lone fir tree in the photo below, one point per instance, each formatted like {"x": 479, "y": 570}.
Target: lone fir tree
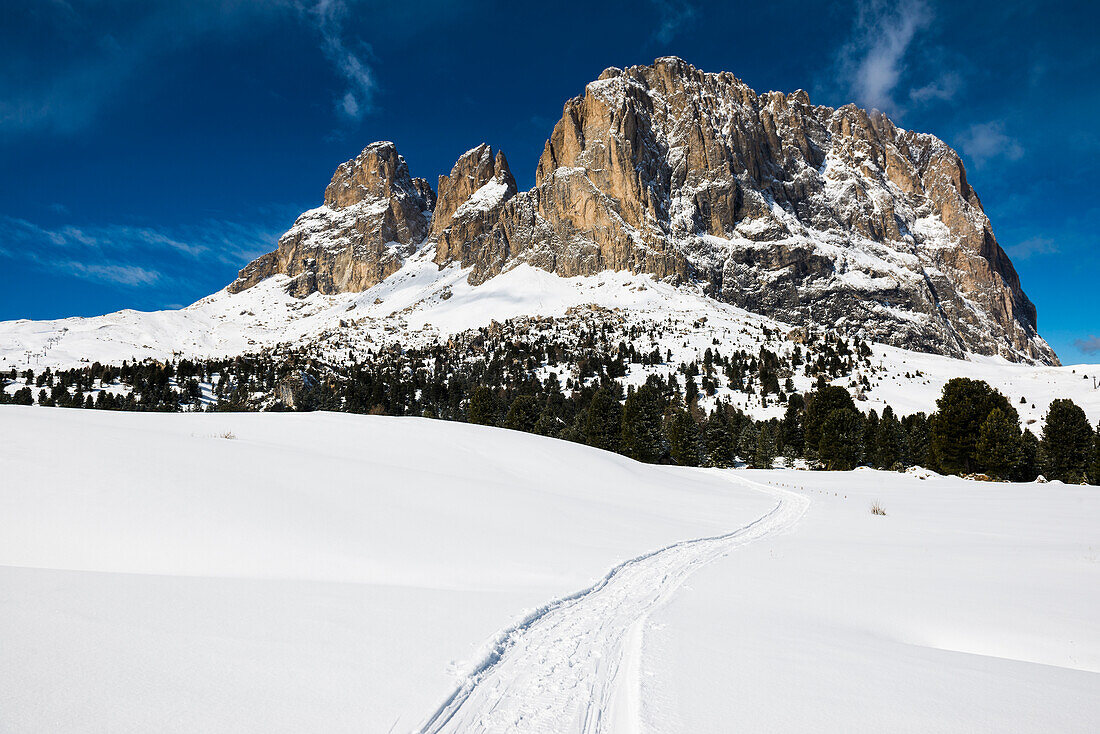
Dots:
{"x": 1066, "y": 446}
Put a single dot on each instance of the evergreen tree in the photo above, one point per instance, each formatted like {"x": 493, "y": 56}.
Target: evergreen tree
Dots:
{"x": 766, "y": 447}
{"x": 961, "y": 409}
{"x": 841, "y": 445}
{"x": 642, "y": 438}
{"x": 790, "y": 430}
{"x": 482, "y": 409}
{"x": 523, "y": 414}
{"x": 918, "y": 436}
{"x": 23, "y": 396}
{"x": 890, "y": 441}
{"x": 1027, "y": 468}
{"x": 683, "y": 437}
{"x": 548, "y": 423}
{"x": 870, "y": 438}
{"x": 1066, "y": 445}
{"x": 819, "y": 405}
{"x": 747, "y": 439}
{"x": 1094, "y": 467}
{"x": 717, "y": 440}
{"x": 998, "y": 446}
{"x": 603, "y": 423}
{"x": 691, "y": 391}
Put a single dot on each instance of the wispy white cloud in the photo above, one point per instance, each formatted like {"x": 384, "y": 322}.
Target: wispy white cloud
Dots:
{"x": 134, "y": 256}
{"x": 673, "y": 16}
{"x": 873, "y": 60}
{"x": 79, "y": 55}
{"x": 985, "y": 141}
{"x": 346, "y": 56}
{"x": 1032, "y": 246}
{"x": 943, "y": 89}
{"x": 130, "y": 275}
{"x": 120, "y": 236}
{"x": 1088, "y": 346}
{"x": 888, "y": 63}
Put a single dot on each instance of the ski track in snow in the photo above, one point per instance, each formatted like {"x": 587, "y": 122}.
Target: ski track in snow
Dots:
{"x": 574, "y": 665}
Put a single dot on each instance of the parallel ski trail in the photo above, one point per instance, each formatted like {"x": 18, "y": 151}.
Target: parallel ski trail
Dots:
{"x": 573, "y": 665}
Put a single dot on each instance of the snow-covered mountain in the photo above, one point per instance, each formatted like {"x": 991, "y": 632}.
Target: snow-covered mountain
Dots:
{"x": 799, "y": 212}
{"x": 422, "y": 304}
{"x": 674, "y": 202}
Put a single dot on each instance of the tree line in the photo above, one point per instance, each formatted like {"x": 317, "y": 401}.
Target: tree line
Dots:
{"x": 580, "y": 392}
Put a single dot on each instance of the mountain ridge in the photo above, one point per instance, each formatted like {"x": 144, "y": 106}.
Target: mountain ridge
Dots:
{"x": 801, "y": 212}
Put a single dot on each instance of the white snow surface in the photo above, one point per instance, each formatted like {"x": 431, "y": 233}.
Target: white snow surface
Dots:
{"x": 422, "y": 304}
{"x": 484, "y": 199}
{"x": 318, "y": 572}
{"x": 421, "y": 301}
{"x": 968, "y": 607}
{"x": 326, "y": 572}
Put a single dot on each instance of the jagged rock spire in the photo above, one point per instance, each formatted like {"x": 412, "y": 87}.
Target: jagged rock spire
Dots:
{"x": 374, "y": 214}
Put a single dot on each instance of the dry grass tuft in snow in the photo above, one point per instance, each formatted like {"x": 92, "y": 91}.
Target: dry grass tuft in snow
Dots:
{"x": 877, "y": 509}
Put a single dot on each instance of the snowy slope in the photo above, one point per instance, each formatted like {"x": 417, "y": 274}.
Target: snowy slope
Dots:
{"x": 323, "y": 572}
{"x": 417, "y": 304}
{"x": 969, "y": 607}
{"x": 423, "y": 304}
{"x": 318, "y": 572}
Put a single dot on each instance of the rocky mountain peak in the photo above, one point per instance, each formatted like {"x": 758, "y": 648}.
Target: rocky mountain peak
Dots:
{"x": 473, "y": 170}
{"x": 471, "y": 200}
{"x": 373, "y": 174}
{"x": 797, "y": 211}
{"x": 374, "y": 215}
{"x": 786, "y": 208}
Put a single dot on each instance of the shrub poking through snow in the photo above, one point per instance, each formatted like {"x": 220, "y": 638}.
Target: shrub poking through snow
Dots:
{"x": 877, "y": 509}
{"x": 227, "y": 434}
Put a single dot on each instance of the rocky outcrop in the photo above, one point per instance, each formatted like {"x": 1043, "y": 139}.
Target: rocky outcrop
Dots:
{"x": 801, "y": 212}
{"x": 782, "y": 207}
{"x": 374, "y": 215}
{"x": 471, "y": 200}
{"x": 295, "y": 390}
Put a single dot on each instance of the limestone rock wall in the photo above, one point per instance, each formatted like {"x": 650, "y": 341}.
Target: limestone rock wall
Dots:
{"x": 374, "y": 215}
{"x": 797, "y": 211}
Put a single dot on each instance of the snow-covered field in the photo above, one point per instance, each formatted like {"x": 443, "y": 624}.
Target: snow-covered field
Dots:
{"x": 324, "y": 572}
{"x": 969, "y": 607}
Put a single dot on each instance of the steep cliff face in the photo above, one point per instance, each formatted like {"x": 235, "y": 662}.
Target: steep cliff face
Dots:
{"x": 470, "y": 202}
{"x": 373, "y": 216}
{"x": 801, "y": 212}
{"x": 793, "y": 210}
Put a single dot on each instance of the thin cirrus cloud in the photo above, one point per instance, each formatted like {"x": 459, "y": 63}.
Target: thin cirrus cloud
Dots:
{"x": 1032, "y": 246}
{"x": 1091, "y": 345}
{"x": 133, "y": 256}
{"x": 943, "y": 89}
{"x": 673, "y": 16}
{"x": 873, "y": 61}
{"x": 983, "y": 142}
{"x": 887, "y": 62}
{"x": 130, "y": 275}
{"x": 95, "y": 55}
{"x": 346, "y": 56}
{"x": 883, "y": 62}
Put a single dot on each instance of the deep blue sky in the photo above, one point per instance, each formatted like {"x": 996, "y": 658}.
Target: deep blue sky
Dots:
{"x": 149, "y": 149}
